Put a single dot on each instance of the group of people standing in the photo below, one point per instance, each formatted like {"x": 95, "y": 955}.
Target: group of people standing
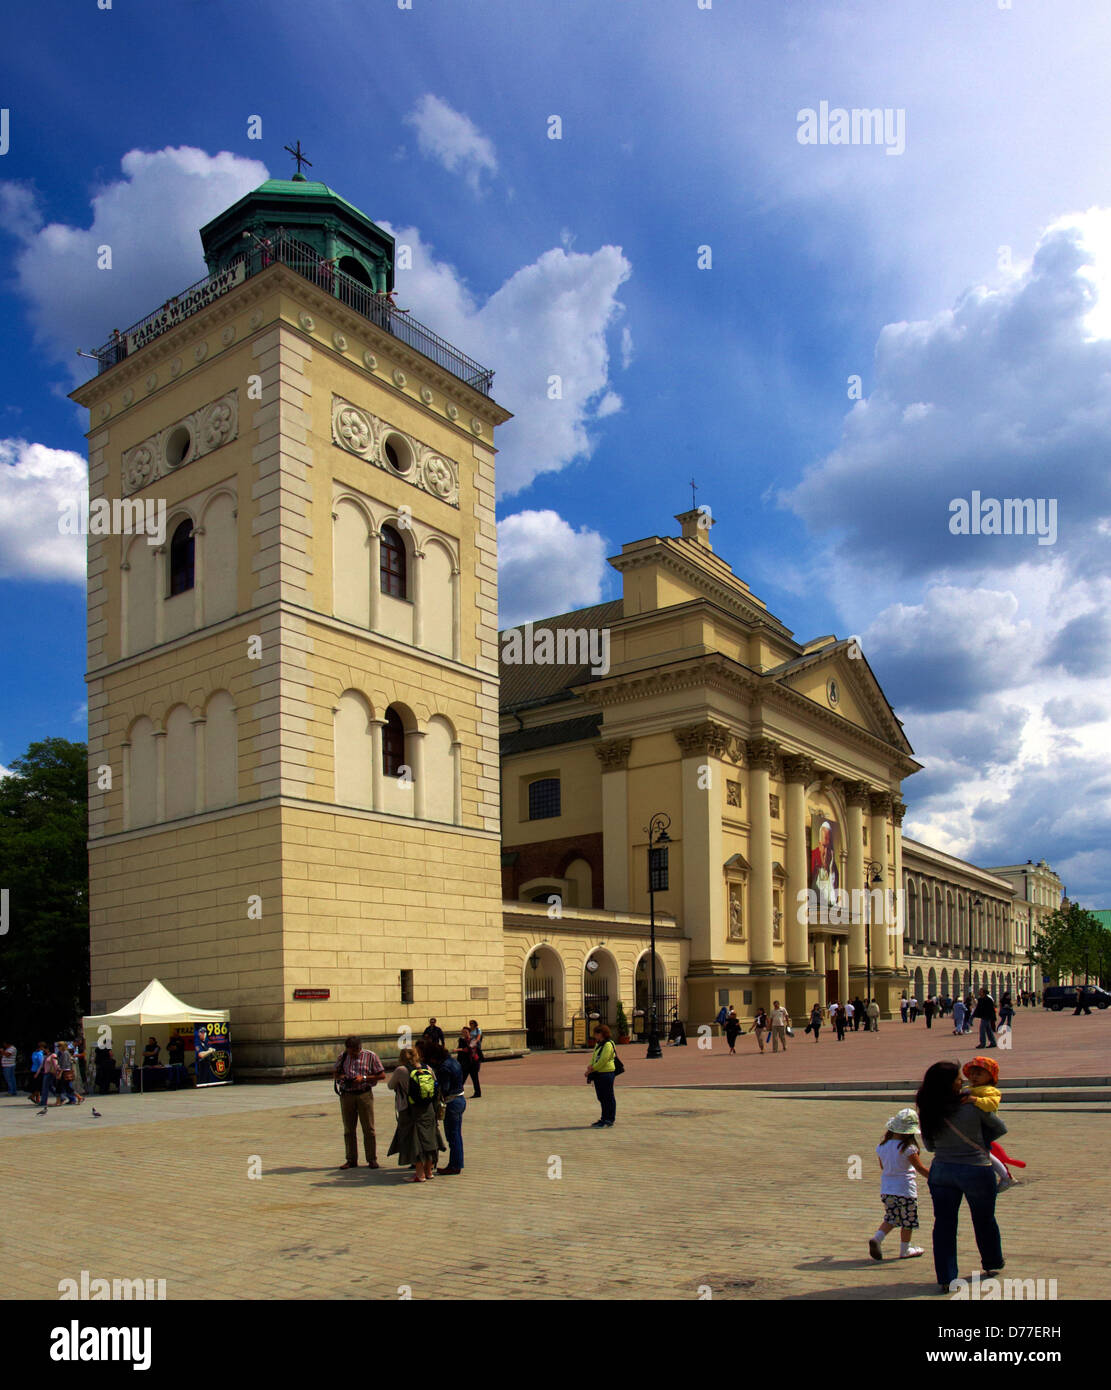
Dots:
{"x": 427, "y": 1085}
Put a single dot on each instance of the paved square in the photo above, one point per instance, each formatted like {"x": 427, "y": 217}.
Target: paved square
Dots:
{"x": 746, "y": 1192}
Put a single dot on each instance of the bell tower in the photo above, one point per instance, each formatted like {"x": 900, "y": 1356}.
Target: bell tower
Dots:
{"x": 294, "y": 688}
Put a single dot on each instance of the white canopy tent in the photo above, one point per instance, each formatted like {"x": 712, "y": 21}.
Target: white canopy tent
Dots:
{"x": 155, "y": 1008}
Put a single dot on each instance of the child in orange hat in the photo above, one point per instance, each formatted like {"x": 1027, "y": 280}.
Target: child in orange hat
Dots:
{"x": 982, "y": 1092}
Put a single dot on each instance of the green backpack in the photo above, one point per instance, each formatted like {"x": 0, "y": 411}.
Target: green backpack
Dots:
{"x": 423, "y": 1086}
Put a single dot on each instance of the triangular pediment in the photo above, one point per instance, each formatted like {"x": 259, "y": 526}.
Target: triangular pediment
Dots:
{"x": 837, "y": 678}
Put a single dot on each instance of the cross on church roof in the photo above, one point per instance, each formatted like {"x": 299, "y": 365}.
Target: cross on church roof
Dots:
{"x": 694, "y": 489}
{"x": 298, "y": 155}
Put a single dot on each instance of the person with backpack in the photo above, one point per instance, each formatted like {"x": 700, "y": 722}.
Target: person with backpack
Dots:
{"x": 605, "y": 1067}
{"x": 417, "y": 1141}
{"x": 357, "y": 1072}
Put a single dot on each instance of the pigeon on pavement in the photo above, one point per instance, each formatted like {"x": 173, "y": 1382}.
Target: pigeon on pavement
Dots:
{"x": 96, "y": 1113}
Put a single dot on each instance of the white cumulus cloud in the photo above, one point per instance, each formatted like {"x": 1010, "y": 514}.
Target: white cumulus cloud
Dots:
{"x": 546, "y": 567}
{"x": 452, "y": 139}
{"x": 34, "y": 482}
{"x": 550, "y": 319}
{"x": 149, "y": 218}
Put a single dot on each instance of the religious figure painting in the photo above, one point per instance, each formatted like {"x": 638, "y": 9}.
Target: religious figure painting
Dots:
{"x": 825, "y": 880}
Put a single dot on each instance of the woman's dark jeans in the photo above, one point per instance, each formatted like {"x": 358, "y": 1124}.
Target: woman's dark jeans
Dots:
{"x": 603, "y": 1089}
{"x": 453, "y": 1130}
{"x": 949, "y": 1182}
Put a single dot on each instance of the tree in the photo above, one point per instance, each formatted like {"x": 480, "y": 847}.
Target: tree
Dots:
{"x": 1070, "y": 941}
{"x": 44, "y": 956}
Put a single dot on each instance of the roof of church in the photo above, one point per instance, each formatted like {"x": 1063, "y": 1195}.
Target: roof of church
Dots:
{"x": 549, "y": 735}
{"x": 529, "y": 683}
{"x": 304, "y": 188}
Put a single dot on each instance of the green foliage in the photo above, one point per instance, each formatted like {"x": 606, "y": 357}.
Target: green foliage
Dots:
{"x": 44, "y": 957}
{"x": 622, "y": 1021}
{"x": 1071, "y": 941}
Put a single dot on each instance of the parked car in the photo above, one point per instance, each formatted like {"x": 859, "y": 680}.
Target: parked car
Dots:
{"x": 1058, "y": 997}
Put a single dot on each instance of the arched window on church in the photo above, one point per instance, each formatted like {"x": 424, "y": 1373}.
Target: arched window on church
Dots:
{"x": 393, "y": 744}
{"x": 182, "y": 552}
{"x": 393, "y": 575}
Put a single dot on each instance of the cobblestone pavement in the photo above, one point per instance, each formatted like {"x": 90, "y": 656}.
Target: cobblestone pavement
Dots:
{"x": 747, "y": 1193}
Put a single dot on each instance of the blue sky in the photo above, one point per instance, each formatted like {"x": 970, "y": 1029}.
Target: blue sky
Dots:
{"x": 961, "y": 279}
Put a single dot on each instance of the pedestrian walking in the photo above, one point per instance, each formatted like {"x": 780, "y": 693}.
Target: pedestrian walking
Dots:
{"x": 929, "y": 1008}
{"x": 466, "y": 1054}
{"x": 1006, "y": 1011}
{"x": 985, "y": 1012}
{"x": 959, "y": 1137}
{"x": 850, "y": 1016}
{"x": 858, "y": 1013}
{"x": 904, "y": 1007}
{"x": 1081, "y": 1001}
{"x": 67, "y": 1074}
{"x": 897, "y": 1153}
{"x": 449, "y": 1074}
{"x": 958, "y": 1016}
{"x": 51, "y": 1078}
{"x": 913, "y": 1008}
{"x": 723, "y": 1014}
{"x": 38, "y": 1057}
{"x": 601, "y": 1074}
{"x": 780, "y": 1021}
{"x": 477, "y": 1057}
{"x": 815, "y": 1024}
{"x": 840, "y": 1022}
{"x": 732, "y": 1031}
{"x": 8, "y": 1058}
{"x": 969, "y": 1005}
{"x": 873, "y": 1016}
{"x": 357, "y": 1072}
{"x": 417, "y": 1140}
{"x": 434, "y": 1033}
{"x": 760, "y": 1027}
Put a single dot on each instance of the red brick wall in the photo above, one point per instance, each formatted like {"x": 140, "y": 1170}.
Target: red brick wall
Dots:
{"x": 549, "y": 859}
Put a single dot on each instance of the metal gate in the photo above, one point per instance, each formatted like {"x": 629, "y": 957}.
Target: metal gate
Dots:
{"x": 667, "y": 1005}
{"x": 597, "y": 1002}
{"x": 540, "y": 1012}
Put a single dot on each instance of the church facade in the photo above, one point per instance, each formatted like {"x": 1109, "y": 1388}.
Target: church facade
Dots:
{"x": 775, "y": 768}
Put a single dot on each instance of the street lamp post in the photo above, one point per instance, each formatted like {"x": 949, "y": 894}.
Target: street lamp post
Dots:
{"x": 978, "y": 904}
{"x": 658, "y": 837}
{"x": 873, "y": 874}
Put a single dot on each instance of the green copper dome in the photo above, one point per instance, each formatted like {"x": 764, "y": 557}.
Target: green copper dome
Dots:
{"x": 314, "y": 214}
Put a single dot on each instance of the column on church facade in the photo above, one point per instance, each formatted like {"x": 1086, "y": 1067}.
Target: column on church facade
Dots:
{"x": 376, "y": 727}
{"x": 798, "y": 772}
{"x": 126, "y": 774}
{"x": 613, "y": 754}
{"x": 416, "y": 594}
{"x": 842, "y": 970}
{"x": 882, "y": 954}
{"x": 898, "y": 811}
{"x": 414, "y": 752}
{"x": 375, "y": 545}
{"x": 160, "y": 777}
{"x": 703, "y": 747}
{"x": 198, "y": 576}
{"x": 820, "y": 968}
{"x": 857, "y": 797}
{"x": 761, "y": 759}
{"x": 200, "y": 761}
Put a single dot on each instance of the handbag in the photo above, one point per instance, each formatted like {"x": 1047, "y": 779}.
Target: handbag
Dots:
{"x": 790, "y": 1031}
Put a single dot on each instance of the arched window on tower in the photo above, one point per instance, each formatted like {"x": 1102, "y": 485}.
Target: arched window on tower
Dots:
{"x": 393, "y": 744}
{"x": 182, "y": 552}
{"x": 393, "y": 577}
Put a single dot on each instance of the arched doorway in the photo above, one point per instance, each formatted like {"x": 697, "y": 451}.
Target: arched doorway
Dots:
{"x": 642, "y": 994}
{"x": 600, "y": 987}
{"x": 542, "y": 997}
{"x": 917, "y": 991}
{"x": 931, "y": 986}
{"x": 945, "y": 984}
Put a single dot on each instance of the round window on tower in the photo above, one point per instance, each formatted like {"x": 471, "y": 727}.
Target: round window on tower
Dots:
{"x": 398, "y": 452}
{"x": 179, "y": 445}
